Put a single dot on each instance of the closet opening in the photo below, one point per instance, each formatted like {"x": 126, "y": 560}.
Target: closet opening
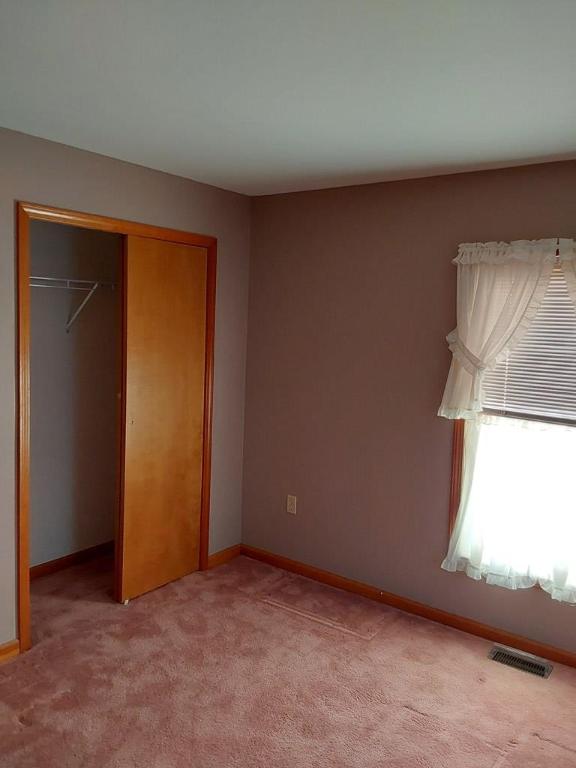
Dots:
{"x": 115, "y": 357}
{"x": 75, "y": 411}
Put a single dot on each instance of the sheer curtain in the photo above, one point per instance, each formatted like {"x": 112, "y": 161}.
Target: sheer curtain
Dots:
{"x": 516, "y": 524}
{"x": 569, "y": 268}
{"x": 500, "y": 287}
{"x": 517, "y": 521}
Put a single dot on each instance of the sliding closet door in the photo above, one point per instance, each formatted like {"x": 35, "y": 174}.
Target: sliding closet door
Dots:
{"x": 165, "y": 353}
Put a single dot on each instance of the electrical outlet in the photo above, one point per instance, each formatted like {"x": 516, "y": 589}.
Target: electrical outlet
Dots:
{"x": 291, "y": 504}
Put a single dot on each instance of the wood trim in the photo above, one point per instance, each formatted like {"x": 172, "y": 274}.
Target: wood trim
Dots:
{"x": 121, "y": 436}
{"x": 75, "y": 558}
{"x": 9, "y": 650}
{"x": 23, "y": 422}
{"x": 208, "y": 406}
{"x": 26, "y": 212}
{"x": 224, "y": 556}
{"x": 107, "y": 224}
{"x": 456, "y": 477}
{"x": 462, "y": 623}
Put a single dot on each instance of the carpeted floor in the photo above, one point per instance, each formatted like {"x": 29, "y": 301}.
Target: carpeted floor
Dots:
{"x": 247, "y": 666}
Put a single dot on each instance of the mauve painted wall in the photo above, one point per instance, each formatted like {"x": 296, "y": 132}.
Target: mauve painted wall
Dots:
{"x": 351, "y": 296}
{"x": 45, "y": 172}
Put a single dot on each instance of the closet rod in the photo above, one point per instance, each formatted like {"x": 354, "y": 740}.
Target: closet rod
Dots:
{"x": 88, "y": 286}
{"x": 67, "y": 283}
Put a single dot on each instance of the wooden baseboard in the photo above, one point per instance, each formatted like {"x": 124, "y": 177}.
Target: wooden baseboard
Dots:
{"x": 9, "y": 650}
{"x": 418, "y": 609}
{"x": 100, "y": 550}
{"x": 224, "y": 556}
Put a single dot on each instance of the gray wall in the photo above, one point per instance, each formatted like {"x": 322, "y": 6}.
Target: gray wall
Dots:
{"x": 75, "y": 379}
{"x": 44, "y": 172}
{"x": 351, "y": 295}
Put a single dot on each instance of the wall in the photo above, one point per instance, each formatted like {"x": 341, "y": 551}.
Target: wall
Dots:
{"x": 75, "y": 379}
{"x": 45, "y": 172}
{"x": 351, "y": 296}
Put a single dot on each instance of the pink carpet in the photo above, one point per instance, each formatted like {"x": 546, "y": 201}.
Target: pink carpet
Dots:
{"x": 249, "y": 667}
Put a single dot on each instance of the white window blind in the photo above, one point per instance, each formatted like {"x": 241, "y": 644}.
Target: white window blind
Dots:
{"x": 538, "y": 378}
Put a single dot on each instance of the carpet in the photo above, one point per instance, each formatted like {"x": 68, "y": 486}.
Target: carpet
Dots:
{"x": 335, "y": 608}
{"x": 205, "y": 673}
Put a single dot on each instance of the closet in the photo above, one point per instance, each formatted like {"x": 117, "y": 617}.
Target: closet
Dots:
{"x": 75, "y": 293}
{"x": 115, "y": 352}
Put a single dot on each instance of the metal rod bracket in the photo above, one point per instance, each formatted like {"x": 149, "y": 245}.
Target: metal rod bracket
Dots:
{"x": 81, "y": 306}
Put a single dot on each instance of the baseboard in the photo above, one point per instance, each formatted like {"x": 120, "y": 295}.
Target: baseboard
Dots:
{"x": 91, "y": 553}
{"x": 224, "y": 556}
{"x": 9, "y": 650}
{"x": 411, "y": 606}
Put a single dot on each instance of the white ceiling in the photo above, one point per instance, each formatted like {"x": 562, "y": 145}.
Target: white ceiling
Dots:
{"x": 264, "y": 96}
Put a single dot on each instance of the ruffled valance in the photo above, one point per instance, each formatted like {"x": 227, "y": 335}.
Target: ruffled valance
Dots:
{"x": 529, "y": 251}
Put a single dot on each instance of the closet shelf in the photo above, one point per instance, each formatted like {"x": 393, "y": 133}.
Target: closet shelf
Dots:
{"x": 88, "y": 286}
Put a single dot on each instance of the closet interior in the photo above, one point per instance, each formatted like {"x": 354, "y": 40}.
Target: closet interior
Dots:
{"x": 75, "y": 401}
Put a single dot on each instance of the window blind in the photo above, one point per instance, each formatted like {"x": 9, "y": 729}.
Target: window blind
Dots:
{"x": 538, "y": 378}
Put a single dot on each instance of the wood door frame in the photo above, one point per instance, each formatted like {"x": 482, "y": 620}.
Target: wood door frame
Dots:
{"x": 25, "y": 213}
{"x": 456, "y": 474}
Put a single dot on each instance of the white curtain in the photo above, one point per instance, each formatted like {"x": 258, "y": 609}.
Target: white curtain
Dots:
{"x": 500, "y": 287}
{"x": 569, "y": 269}
{"x": 516, "y": 526}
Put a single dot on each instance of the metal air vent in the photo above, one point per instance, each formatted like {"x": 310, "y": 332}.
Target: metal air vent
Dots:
{"x": 520, "y": 660}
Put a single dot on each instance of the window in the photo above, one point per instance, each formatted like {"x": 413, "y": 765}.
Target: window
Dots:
{"x": 513, "y": 379}
{"x": 538, "y": 377}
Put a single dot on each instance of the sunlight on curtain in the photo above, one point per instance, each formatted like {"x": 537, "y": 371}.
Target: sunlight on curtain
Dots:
{"x": 518, "y": 493}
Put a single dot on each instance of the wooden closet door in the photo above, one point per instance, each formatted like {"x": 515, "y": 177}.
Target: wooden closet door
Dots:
{"x": 165, "y": 356}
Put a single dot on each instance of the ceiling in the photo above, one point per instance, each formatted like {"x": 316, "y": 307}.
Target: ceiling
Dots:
{"x": 264, "y": 96}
